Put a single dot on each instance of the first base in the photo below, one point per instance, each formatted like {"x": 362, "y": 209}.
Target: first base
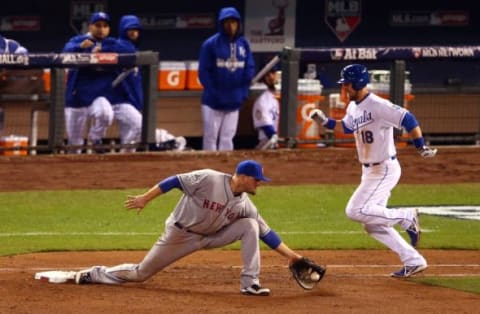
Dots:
{"x": 56, "y": 276}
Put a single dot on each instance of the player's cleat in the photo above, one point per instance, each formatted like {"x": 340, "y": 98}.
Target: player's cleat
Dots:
{"x": 255, "y": 290}
{"x": 83, "y": 277}
{"x": 414, "y": 230}
{"x": 407, "y": 271}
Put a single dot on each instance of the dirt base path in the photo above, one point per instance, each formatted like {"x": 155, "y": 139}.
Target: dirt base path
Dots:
{"x": 208, "y": 282}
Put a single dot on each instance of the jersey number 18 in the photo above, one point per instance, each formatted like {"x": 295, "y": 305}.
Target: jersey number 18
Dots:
{"x": 367, "y": 137}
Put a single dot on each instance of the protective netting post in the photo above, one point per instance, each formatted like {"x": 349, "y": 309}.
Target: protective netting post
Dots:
{"x": 150, "y": 84}
{"x": 397, "y": 85}
{"x": 56, "y": 124}
{"x": 397, "y": 82}
{"x": 290, "y": 71}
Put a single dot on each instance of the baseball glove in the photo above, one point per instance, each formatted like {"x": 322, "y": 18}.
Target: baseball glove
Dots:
{"x": 307, "y": 273}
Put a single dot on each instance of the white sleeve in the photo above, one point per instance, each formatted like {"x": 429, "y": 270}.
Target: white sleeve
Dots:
{"x": 392, "y": 114}
{"x": 261, "y": 114}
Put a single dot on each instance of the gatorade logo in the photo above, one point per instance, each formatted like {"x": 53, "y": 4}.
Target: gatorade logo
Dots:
{"x": 173, "y": 78}
{"x": 307, "y": 129}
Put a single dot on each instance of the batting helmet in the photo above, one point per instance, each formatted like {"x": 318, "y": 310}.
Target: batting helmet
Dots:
{"x": 356, "y": 74}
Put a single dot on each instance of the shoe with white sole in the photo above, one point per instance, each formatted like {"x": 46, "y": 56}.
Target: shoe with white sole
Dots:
{"x": 407, "y": 271}
{"x": 255, "y": 290}
{"x": 83, "y": 277}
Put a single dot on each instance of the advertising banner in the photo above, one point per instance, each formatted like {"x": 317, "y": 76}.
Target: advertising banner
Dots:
{"x": 270, "y": 25}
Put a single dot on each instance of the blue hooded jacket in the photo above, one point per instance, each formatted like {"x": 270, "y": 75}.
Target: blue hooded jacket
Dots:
{"x": 226, "y": 67}
{"x": 130, "y": 89}
{"x": 86, "y": 84}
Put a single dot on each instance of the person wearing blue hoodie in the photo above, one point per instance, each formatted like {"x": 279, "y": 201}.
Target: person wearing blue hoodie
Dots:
{"x": 226, "y": 68}
{"x": 86, "y": 87}
{"x": 126, "y": 94}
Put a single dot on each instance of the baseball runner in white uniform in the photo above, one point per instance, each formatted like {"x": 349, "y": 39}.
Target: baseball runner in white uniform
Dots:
{"x": 214, "y": 211}
{"x": 372, "y": 119}
{"x": 266, "y": 112}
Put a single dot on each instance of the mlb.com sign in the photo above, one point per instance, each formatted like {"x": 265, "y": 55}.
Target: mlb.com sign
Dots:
{"x": 343, "y": 16}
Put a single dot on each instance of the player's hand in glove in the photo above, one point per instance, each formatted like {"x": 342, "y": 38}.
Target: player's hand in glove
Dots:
{"x": 318, "y": 116}
{"x": 307, "y": 273}
{"x": 427, "y": 152}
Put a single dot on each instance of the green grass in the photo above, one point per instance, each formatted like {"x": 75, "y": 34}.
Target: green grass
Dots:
{"x": 306, "y": 217}
{"x": 468, "y": 284}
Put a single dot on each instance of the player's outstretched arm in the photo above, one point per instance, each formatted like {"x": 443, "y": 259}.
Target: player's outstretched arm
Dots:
{"x": 138, "y": 202}
{"x": 290, "y": 254}
{"x": 321, "y": 118}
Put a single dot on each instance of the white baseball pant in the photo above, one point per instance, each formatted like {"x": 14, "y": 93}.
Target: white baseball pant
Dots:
{"x": 176, "y": 243}
{"x": 100, "y": 112}
{"x": 129, "y": 123}
{"x": 220, "y": 127}
{"x": 368, "y": 206}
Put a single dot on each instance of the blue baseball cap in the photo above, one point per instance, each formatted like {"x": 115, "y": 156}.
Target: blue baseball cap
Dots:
{"x": 251, "y": 168}
{"x": 99, "y": 16}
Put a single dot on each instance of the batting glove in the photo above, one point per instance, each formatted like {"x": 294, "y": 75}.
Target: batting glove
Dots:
{"x": 318, "y": 116}
{"x": 272, "y": 143}
{"x": 427, "y": 152}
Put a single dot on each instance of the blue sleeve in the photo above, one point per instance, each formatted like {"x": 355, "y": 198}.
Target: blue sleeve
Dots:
{"x": 206, "y": 64}
{"x": 409, "y": 122}
{"x": 271, "y": 239}
{"x": 345, "y": 129}
{"x": 169, "y": 183}
{"x": 269, "y": 130}
{"x": 331, "y": 123}
{"x": 111, "y": 44}
{"x": 73, "y": 45}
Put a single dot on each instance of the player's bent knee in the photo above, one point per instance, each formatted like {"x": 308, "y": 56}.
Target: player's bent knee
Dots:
{"x": 353, "y": 213}
{"x": 248, "y": 225}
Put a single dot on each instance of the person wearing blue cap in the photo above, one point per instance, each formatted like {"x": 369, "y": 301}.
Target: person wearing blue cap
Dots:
{"x": 86, "y": 86}
{"x": 213, "y": 211}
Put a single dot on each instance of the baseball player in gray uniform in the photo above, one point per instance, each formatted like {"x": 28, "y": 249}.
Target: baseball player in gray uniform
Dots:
{"x": 372, "y": 119}
{"x": 213, "y": 211}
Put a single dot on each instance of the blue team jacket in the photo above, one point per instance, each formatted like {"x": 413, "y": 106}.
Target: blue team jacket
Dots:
{"x": 130, "y": 89}
{"x": 225, "y": 73}
{"x": 86, "y": 84}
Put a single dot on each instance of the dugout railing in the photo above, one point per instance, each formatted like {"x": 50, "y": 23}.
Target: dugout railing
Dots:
{"x": 397, "y": 60}
{"x": 147, "y": 61}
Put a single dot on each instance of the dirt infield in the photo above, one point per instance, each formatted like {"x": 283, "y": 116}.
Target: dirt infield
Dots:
{"x": 208, "y": 281}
